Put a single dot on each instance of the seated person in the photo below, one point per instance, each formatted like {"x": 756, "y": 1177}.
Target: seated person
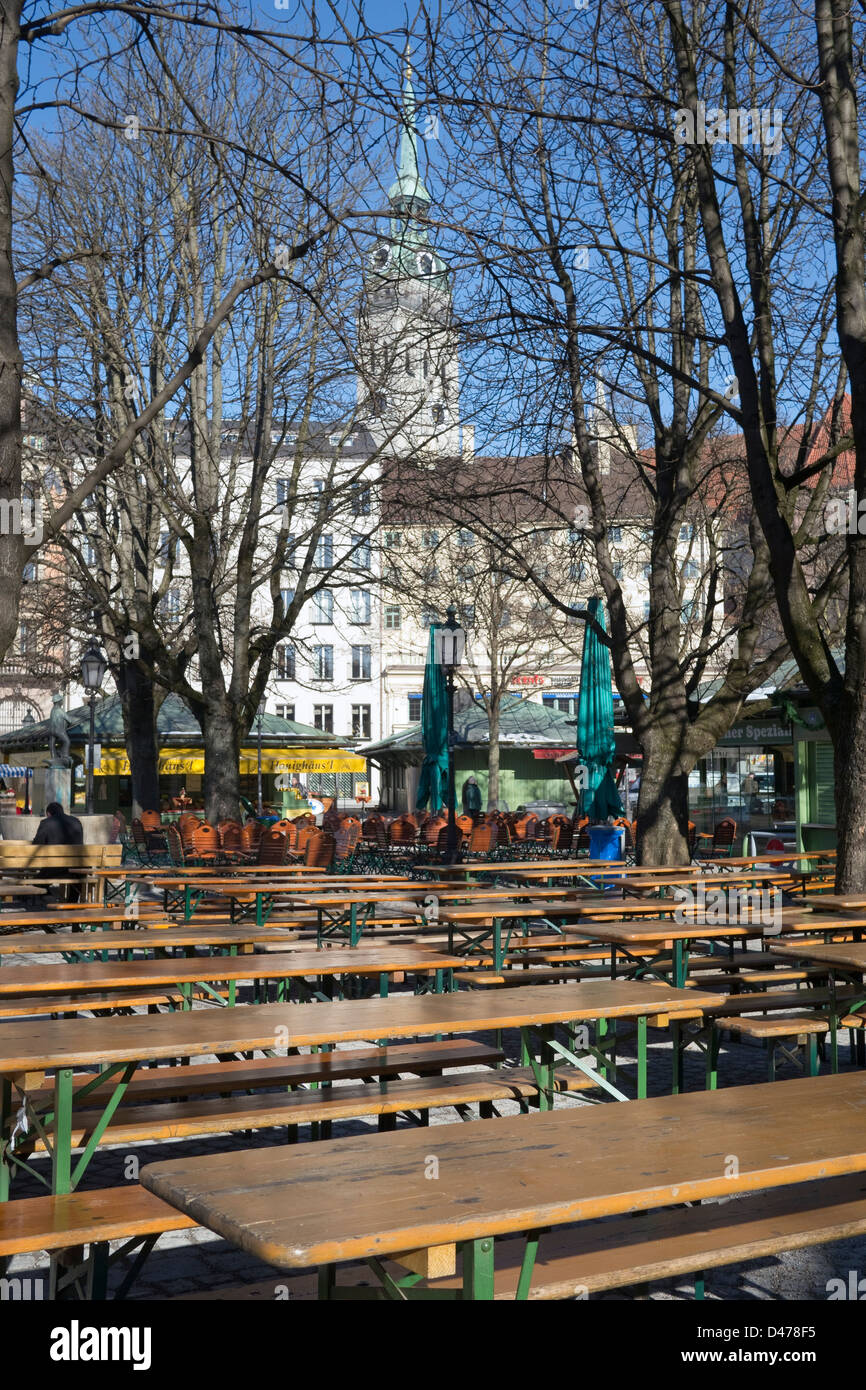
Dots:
{"x": 57, "y": 828}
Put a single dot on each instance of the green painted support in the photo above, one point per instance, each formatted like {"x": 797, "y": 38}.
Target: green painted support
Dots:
{"x": 478, "y": 1270}
{"x": 527, "y": 1267}
{"x": 61, "y": 1175}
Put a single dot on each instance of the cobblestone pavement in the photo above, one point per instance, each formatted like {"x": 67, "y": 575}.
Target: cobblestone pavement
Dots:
{"x": 197, "y": 1265}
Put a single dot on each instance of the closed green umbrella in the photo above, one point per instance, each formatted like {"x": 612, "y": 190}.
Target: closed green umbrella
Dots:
{"x": 595, "y": 738}
{"x": 434, "y": 732}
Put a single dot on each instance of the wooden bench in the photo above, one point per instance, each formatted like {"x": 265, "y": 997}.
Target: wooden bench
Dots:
{"x": 63, "y": 1225}
{"x": 343, "y": 1064}
{"x": 412, "y": 1096}
{"x": 575, "y": 1262}
{"x": 77, "y": 861}
{"x": 94, "y": 1001}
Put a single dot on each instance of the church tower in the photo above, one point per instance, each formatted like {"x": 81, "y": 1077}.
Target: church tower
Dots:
{"x": 408, "y": 380}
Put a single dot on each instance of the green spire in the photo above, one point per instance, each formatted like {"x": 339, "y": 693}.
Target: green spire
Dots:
{"x": 407, "y": 193}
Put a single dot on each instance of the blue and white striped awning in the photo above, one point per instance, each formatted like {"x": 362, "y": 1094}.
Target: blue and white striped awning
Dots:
{"x": 10, "y": 770}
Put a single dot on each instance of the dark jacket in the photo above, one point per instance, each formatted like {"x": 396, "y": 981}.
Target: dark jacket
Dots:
{"x": 57, "y": 830}
{"x": 471, "y": 797}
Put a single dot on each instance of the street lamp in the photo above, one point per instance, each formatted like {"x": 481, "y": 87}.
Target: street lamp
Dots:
{"x": 260, "y": 714}
{"x": 450, "y": 641}
{"x": 93, "y": 669}
{"x": 27, "y": 723}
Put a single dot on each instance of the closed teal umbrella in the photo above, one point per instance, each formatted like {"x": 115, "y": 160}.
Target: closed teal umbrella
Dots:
{"x": 595, "y": 738}
{"x": 434, "y": 732}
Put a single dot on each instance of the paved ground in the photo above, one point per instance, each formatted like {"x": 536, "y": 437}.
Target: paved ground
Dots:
{"x": 197, "y": 1265}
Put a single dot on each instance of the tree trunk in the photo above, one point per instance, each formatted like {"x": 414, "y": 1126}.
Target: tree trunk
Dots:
{"x": 222, "y": 786}
{"x": 142, "y": 743}
{"x": 849, "y": 754}
{"x": 493, "y": 757}
{"x": 11, "y": 544}
{"x": 662, "y": 810}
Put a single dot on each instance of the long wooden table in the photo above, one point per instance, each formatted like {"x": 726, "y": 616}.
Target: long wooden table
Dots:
{"x": 29, "y": 1049}
{"x": 187, "y": 975}
{"x": 520, "y": 1175}
{"x": 90, "y": 945}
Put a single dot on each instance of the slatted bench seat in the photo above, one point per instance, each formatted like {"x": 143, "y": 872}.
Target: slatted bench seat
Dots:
{"x": 386, "y": 1100}
{"x": 63, "y": 1225}
{"x": 93, "y": 1001}
{"x": 599, "y": 1257}
{"x": 343, "y": 1064}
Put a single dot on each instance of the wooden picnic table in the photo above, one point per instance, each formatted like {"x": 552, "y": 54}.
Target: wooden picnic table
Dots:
{"x": 30, "y": 1048}
{"x": 86, "y": 916}
{"x": 515, "y": 1175}
{"x": 838, "y": 902}
{"x": 664, "y": 882}
{"x": 230, "y": 937}
{"x": 188, "y": 974}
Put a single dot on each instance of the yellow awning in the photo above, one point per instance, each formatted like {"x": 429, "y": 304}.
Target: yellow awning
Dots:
{"x": 183, "y": 761}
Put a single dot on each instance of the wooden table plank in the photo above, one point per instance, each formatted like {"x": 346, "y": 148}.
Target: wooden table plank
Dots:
{"x": 847, "y": 955}
{"x": 144, "y": 939}
{"x": 31, "y": 1047}
{"x": 369, "y": 1197}
{"x": 176, "y": 970}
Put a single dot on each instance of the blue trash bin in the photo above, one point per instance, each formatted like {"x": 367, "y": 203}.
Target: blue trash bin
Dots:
{"x": 606, "y": 842}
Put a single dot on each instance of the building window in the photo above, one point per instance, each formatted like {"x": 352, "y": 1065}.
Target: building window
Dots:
{"x": 415, "y": 708}
{"x": 323, "y": 606}
{"x": 323, "y": 663}
{"x": 617, "y": 570}
{"x": 360, "y": 721}
{"x": 438, "y": 414}
{"x": 505, "y": 618}
{"x": 361, "y": 550}
{"x": 285, "y": 662}
{"x": 575, "y": 537}
{"x": 28, "y": 574}
{"x": 468, "y": 615}
{"x": 429, "y": 616}
{"x": 165, "y": 547}
{"x": 286, "y": 712}
{"x": 282, "y": 491}
{"x": 288, "y": 598}
{"x": 360, "y": 606}
{"x": 686, "y": 532}
{"x": 88, "y": 552}
{"x": 325, "y": 552}
{"x": 690, "y": 570}
{"x": 393, "y": 616}
{"x": 392, "y": 540}
{"x": 361, "y": 663}
{"x": 616, "y": 534}
{"x": 577, "y": 573}
{"x": 169, "y": 605}
{"x": 430, "y": 539}
{"x": 465, "y": 574}
{"x": 465, "y": 537}
{"x": 323, "y": 718}
{"x": 360, "y": 500}
{"x": 646, "y": 610}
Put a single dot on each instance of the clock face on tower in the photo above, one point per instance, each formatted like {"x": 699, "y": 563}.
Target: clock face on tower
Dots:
{"x": 426, "y": 263}
{"x": 381, "y": 257}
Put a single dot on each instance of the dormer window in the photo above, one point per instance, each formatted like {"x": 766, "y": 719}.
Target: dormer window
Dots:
{"x": 426, "y": 263}
{"x": 381, "y": 256}
{"x": 438, "y": 413}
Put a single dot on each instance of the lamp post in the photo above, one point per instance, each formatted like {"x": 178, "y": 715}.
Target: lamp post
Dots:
{"x": 26, "y": 723}
{"x": 450, "y": 642}
{"x": 260, "y": 714}
{"x": 93, "y": 668}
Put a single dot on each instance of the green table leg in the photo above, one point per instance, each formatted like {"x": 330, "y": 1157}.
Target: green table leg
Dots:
{"x": 5, "y": 1121}
{"x": 478, "y": 1270}
{"x": 641, "y": 1057}
{"x": 62, "y": 1174}
{"x": 679, "y": 967}
{"x": 676, "y": 1038}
